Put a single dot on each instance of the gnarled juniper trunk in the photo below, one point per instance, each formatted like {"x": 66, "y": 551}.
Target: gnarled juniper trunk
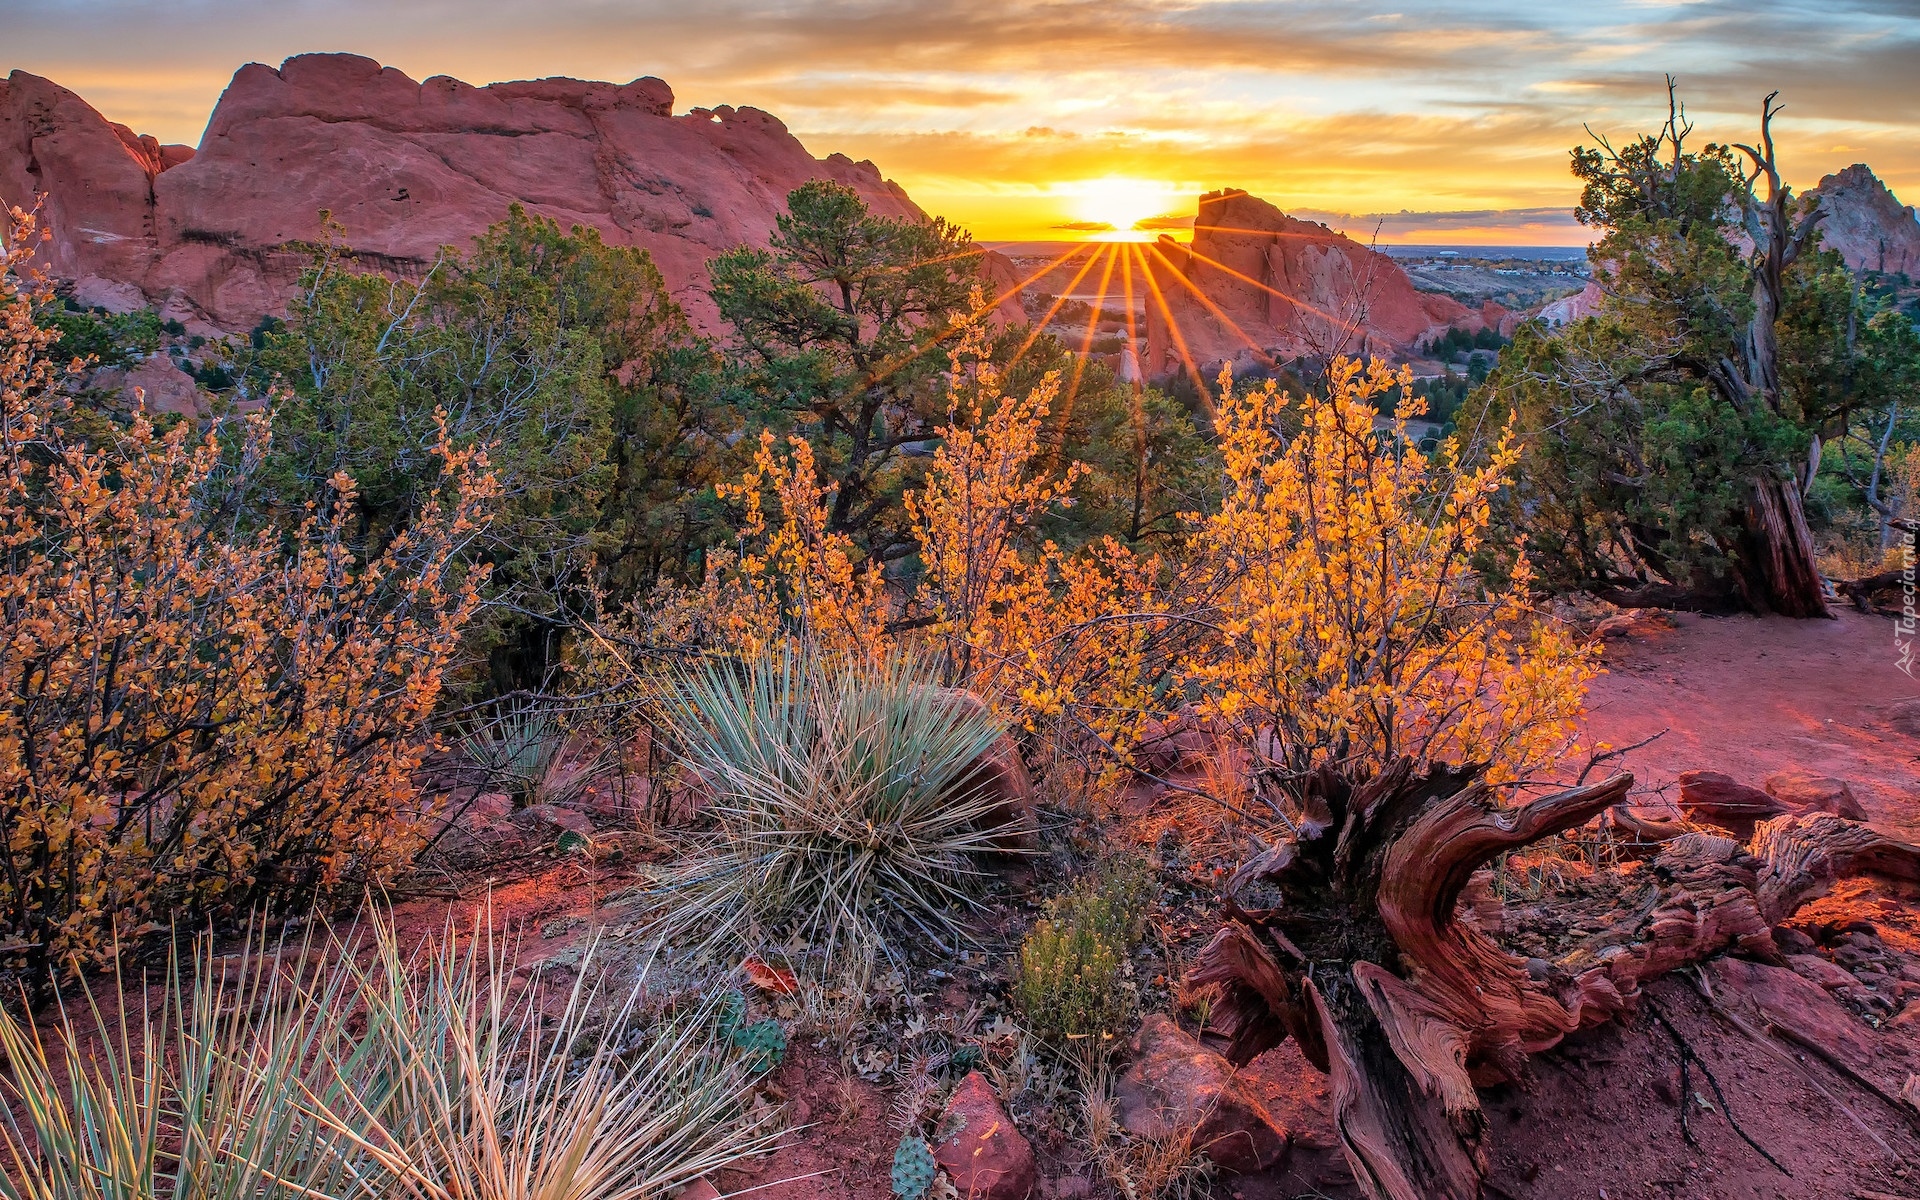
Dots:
{"x": 1343, "y": 937}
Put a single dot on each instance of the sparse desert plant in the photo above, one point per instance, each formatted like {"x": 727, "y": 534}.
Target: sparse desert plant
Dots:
{"x": 438, "y": 1074}
{"x": 195, "y": 718}
{"x": 1168, "y": 1167}
{"x": 532, "y": 755}
{"x": 845, "y": 802}
{"x": 1073, "y": 983}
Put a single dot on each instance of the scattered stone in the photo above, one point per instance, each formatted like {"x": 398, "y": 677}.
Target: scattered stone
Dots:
{"x": 552, "y": 819}
{"x": 1803, "y": 791}
{"x": 700, "y": 1189}
{"x": 1791, "y": 940}
{"x": 982, "y": 1152}
{"x": 1716, "y": 799}
{"x": 1175, "y": 1083}
{"x": 1635, "y": 624}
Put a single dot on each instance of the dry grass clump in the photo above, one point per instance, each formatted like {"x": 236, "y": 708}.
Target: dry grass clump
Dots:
{"x": 845, "y": 806}
{"x": 312, "y": 1075}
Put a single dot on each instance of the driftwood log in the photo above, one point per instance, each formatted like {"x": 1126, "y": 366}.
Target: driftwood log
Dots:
{"x": 1345, "y": 938}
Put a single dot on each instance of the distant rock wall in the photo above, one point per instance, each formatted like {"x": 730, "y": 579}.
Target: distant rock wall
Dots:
{"x": 213, "y": 237}
{"x": 1866, "y": 224}
{"x": 1258, "y": 286}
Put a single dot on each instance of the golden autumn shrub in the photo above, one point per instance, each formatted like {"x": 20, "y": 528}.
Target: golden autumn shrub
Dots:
{"x": 196, "y": 718}
{"x": 1350, "y": 626}
{"x": 1046, "y": 637}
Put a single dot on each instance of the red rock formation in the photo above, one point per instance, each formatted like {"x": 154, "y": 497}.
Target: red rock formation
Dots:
{"x": 1257, "y": 285}
{"x": 1869, "y": 227}
{"x": 406, "y": 167}
{"x": 1567, "y": 309}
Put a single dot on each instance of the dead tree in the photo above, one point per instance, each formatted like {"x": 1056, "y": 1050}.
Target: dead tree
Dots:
{"x": 1345, "y": 938}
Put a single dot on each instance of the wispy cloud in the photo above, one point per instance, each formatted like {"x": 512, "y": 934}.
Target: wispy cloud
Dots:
{"x": 981, "y": 107}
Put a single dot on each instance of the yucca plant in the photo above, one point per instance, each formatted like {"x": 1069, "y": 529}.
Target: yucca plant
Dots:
{"x": 846, "y": 803}
{"x": 469, "y": 1086}
{"x": 433, "y": 1075}
{"x": 197, "y": 1097}
{"x": 529, "y": 753}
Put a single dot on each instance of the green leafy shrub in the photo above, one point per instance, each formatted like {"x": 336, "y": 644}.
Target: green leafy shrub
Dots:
{"x": 1073, "y": 984}
{"x": 842, "y": 798}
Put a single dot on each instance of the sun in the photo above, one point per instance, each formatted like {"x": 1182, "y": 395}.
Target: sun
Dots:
{"x": 1120, "y": 203}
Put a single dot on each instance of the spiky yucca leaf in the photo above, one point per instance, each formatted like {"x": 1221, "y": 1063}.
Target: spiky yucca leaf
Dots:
{"x": 844, "y": 798}
{"x": 436, "y": 1075}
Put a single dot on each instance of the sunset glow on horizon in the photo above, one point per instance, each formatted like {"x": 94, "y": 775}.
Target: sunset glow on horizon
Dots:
{"x": 1046, "y": 120}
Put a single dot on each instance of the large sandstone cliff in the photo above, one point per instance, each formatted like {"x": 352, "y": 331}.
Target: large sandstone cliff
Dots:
{"x": 214, "y": 237}
{"x": 1258, "y": 287}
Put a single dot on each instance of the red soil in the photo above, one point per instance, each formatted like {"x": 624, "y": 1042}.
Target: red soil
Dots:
{"x": 1753, "y": 696}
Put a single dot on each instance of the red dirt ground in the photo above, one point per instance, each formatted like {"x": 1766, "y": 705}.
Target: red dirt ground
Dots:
{"x": 1752, "y": 696}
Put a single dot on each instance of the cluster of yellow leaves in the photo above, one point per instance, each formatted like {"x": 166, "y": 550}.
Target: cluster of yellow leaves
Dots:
{"x": 194, "y": 717}
{"x": 1041, "y": 634}
{"x": 1329, "y": 613}
{"x": 1351, "y": 624}
{"x": 1044, "y": 635}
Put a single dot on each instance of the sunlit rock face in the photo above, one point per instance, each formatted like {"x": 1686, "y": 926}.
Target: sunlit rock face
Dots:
{"x": 1869, "y": 228}
{"x": 1257, "y": 285}
{"x": 218, "y": 237}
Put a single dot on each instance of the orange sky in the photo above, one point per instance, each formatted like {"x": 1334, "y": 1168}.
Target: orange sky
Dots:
{"x": 1433, "y": 123}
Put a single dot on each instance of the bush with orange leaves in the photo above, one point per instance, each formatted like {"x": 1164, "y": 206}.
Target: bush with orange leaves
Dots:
{"x": 1045, "y": 637}
{"x": 1350, "y": 626}
{"x": 1328, "y": 613}
{"x": 195, "y": 719}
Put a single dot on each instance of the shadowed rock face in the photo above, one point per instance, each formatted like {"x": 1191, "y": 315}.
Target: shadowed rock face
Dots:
{"x": 214, "y": 237}
{"x": 1866, "y": 224}
{"x": 1257, "y": 284}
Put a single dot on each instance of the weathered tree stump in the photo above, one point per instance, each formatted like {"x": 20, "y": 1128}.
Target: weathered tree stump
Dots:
{"x": 1344, "y": 937}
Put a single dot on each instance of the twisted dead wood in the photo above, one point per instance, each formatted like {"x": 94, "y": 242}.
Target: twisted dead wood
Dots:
{"x": 1345, "y": 938}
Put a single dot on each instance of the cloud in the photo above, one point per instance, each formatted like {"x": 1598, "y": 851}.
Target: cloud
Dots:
{"x": 1085, "y": 226}
{"x": 1462, "y": 112}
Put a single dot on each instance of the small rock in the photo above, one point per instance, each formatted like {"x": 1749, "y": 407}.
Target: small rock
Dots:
{"x": 1791, "y": 940}
{"x": 999, "y": 779}
{"x": 555, "y": 820}
{"x": 700, "y": 1189}
{"x": 1175, "y": 1083}
{"x": 1820, "y": 971}
{"x": 985, "y": 1156}
{"x": 1907, "y": 1018}
{"x": 1716, "y": 799}
{"x": 1635, "y": 623}
{"x": 1805, "y": 792}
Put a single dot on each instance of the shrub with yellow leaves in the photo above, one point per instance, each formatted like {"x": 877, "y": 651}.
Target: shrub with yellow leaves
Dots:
{"x": 195, "y": 718}
{"x": 1351, "y": 625}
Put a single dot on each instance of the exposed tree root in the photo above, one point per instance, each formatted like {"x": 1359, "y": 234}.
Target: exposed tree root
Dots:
{"x": 1344, "y": 937}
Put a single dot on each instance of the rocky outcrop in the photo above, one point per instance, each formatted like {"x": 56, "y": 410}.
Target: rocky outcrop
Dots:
{"x": 1257, "y": 286}
{"x": 1866, "y": 224}
{"x": 216, "y": 237}
{"x": 978, "y": 1146}
{"x": 1568, "y": 309}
